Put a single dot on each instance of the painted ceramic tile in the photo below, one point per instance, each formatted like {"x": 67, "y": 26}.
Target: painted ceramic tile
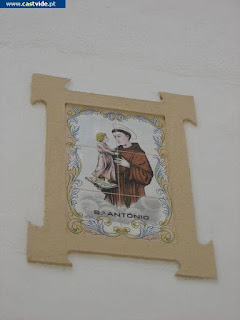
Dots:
{"x": 125, "y": 190}
{"x": 89, "y": 211}
{"x": 93, "y": 176}
{"x": 141, "y": 179}
{"x": 149, "y": 210}
{"x": 139, "y": 134}
{"x": 87, "y": 125}
{"x": 140, "y": 174}
{"x": 145, "y": 219}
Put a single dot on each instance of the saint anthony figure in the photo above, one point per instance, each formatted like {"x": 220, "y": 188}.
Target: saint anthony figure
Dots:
{"x": 105, "y": 166}
{"x": 133, "y": 170}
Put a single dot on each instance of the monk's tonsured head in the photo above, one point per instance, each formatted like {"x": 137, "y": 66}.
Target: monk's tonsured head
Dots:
{"x": 121, "y": 136}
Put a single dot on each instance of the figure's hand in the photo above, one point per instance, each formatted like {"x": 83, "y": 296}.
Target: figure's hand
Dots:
{"x": 122, "y": 162}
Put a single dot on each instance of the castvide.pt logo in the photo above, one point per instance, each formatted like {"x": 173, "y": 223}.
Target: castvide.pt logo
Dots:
{"x": 32, "y": 4}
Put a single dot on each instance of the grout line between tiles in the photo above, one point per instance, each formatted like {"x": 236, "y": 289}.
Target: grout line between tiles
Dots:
{"x": 96, "y": 191}
{"x": 120, "y": 194}
{"x": 130, "y": 195}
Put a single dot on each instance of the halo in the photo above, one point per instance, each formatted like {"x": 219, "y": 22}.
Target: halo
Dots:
{"x": 122, "y": 127}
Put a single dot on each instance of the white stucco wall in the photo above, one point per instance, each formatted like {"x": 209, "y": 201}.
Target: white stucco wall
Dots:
{"x": 130, "y": 49}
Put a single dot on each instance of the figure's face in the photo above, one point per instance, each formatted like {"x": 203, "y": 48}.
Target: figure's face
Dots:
{"x": 121, "y": 138}
{"x": 106, "y": 139}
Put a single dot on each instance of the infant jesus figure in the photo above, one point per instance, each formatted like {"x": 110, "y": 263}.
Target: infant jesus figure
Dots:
{"x": 105, "y": 166}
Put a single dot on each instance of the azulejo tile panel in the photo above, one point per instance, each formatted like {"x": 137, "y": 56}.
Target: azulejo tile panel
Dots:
{"x": 80, "y": 220}
{"x": 117, "y": 174}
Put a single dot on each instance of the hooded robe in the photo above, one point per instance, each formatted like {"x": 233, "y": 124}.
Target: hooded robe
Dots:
{"x": 131, "y": 180}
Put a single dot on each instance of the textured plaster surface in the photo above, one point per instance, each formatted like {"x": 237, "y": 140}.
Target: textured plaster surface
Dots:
{"x": 131, "y": 49}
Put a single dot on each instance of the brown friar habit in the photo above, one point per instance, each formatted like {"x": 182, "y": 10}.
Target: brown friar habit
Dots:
{"x": 131, "y": 180}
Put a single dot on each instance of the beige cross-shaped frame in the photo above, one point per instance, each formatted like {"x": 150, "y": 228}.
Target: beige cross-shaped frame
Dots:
{"x": 52, "y": 243}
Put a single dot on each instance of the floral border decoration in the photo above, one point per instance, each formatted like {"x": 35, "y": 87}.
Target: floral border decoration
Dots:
{"x": 77, "y": 223}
